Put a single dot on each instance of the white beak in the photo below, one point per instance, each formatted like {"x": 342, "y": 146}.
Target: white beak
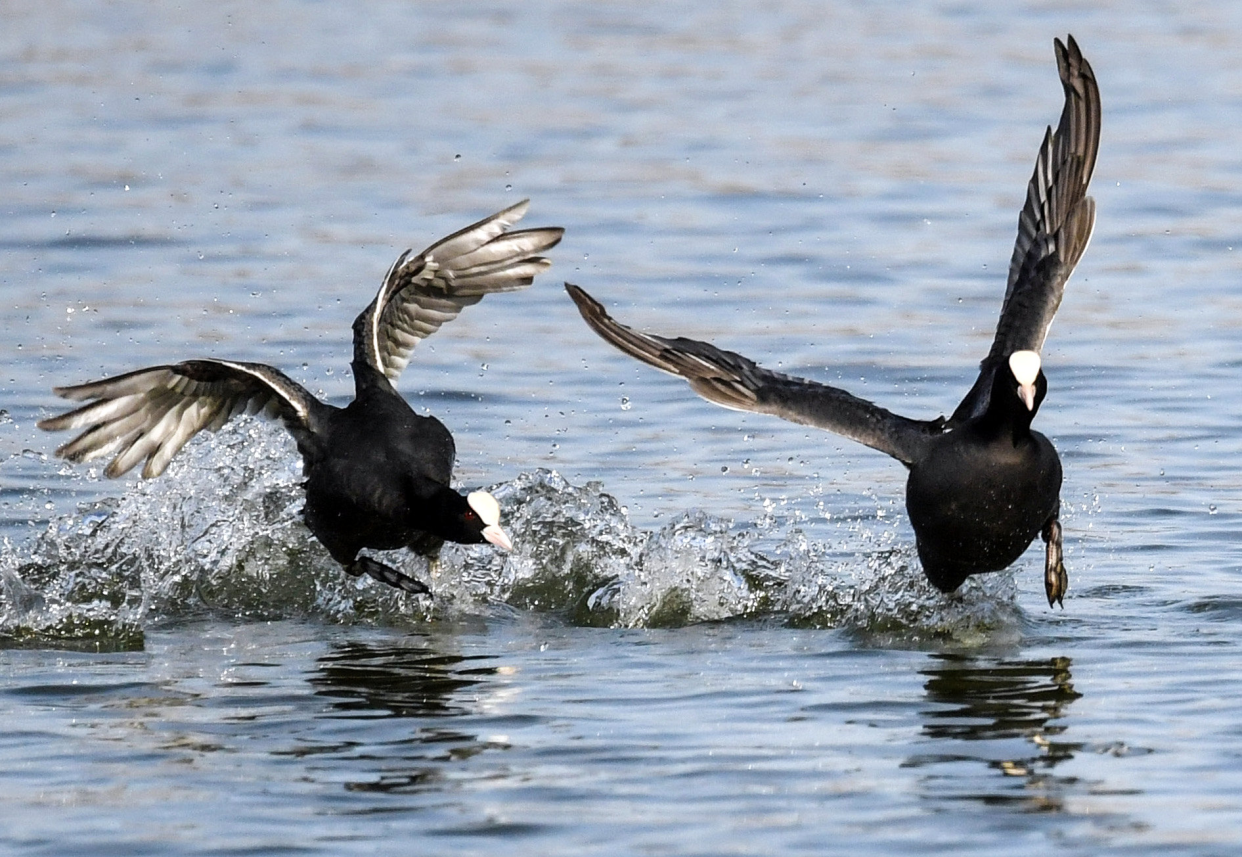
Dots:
{"x": 1025, "y": 368}
{"x": 1026, "y": 392}
{"x": 496, "y": 536}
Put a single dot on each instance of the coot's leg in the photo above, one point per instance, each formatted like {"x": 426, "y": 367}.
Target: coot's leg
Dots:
{"x": 1056, "y": 580}
{"x": 386, "y": 574}
{"x": 425, "y": 544}
{"x": 353, "y": 565}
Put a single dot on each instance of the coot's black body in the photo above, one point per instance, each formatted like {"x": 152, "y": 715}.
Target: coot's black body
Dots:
{"x": 377, "y": 474}
{"x": 982, "y": 492}
{"x": 982, "y": 484}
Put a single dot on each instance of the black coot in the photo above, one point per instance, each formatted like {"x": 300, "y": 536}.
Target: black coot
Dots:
{"x": 982, "y": 484}
{"x": 377, "y": 474}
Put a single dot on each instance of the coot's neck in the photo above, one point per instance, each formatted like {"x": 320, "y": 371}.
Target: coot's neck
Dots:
{"x": 1007, "y": 417}
{"x": 1012, "y": 424}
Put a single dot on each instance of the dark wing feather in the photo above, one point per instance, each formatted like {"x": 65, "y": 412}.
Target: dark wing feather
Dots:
{"x": 151, "y": 413}
{"x": 1053, "y": 229}
{"x": 422, "y": 292}
{"x": 733, "y": 381}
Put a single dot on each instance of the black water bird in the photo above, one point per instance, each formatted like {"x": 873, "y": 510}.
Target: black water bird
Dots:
{"x": 982, "y": 483}
{"x": 377, "y": 474}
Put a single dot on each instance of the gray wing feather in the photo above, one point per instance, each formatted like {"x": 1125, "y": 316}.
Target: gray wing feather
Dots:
{"x": 733, "y": 381}
{"x": 422, "y": 292}
{"x": 1054, "y": 227}
{"x": 152, "y": 413}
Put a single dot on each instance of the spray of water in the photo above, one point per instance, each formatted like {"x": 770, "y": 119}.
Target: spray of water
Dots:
{"x": 221, "y": 534}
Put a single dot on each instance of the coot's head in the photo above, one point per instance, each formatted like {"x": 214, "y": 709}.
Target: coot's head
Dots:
{"x": 475, "y": 519}
{"x": 1017, "y": 389}
{"x": 1032, "y": 386}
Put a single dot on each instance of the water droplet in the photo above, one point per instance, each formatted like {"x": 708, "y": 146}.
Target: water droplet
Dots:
{"x": 457, "y": 157}
{"x": 724, "y": 469}
{"x": 508, "y": 187}
{"x": 625, "y": 403}
{"x": 1211, "y": 510}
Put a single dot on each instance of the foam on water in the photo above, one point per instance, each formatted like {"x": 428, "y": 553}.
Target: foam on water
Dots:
{"x": 221, "y": 533}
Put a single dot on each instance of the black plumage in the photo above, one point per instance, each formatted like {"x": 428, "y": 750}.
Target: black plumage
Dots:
{"x": 377, "y": 474}
{"x": 982, "y": 483}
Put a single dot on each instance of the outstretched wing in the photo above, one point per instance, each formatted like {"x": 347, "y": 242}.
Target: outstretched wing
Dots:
{"x": 151, "y": 413}
{"x": 422, "y": 292}
{"x": 1053, "y": 229}
{"x": 733, "y": 381}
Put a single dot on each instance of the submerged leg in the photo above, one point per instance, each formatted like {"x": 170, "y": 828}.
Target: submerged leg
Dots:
{"x": 425, "y": 544}
{"x": 1056, "y": 580}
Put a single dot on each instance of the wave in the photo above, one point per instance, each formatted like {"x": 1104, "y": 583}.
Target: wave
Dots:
{"x": 221, "y": 534}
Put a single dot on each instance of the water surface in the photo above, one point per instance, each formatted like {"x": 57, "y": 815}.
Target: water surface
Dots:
{"x": 714, "y": 637}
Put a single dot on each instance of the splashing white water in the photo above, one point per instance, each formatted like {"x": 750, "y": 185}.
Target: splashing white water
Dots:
{"x": 221, "y": 533}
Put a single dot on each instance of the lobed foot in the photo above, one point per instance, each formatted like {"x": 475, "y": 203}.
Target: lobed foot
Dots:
{"x": 386, "y": 574}
{"x": 1056, "y": 579}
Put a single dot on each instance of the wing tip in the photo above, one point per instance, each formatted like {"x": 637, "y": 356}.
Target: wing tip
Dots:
{"x": 517, "y": 210}
{"x": 1074, "y": 69}
{"x": 506, "y": 216}
{"x": 588, "y": 306}
{"x": 79, "y": 392}
{"x": 554, "y": 233}
{"x": 594, "y": 314}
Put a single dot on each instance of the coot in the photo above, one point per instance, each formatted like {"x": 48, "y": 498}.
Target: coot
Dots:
{"x": 377, "y": 474}
{"x": 982, "y": 483}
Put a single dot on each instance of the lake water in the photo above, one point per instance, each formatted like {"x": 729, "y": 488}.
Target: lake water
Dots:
{"x": 713, "y": 637}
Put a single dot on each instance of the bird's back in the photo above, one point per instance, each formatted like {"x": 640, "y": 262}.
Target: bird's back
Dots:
{"x": 376, "y": 455}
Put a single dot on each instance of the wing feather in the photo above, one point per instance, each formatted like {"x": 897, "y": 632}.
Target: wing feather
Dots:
{"x": 1054, "y": 226}
{"x": 421, "y": 293}
{"x": 152, "y": 413}
{"x": 734, "y": 381}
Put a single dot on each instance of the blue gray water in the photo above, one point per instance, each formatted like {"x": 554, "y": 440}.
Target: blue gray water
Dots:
{"x": 713, "y": 637}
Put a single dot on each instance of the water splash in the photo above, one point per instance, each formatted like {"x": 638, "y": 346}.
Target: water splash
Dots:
{"x": 220, "y": 533}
